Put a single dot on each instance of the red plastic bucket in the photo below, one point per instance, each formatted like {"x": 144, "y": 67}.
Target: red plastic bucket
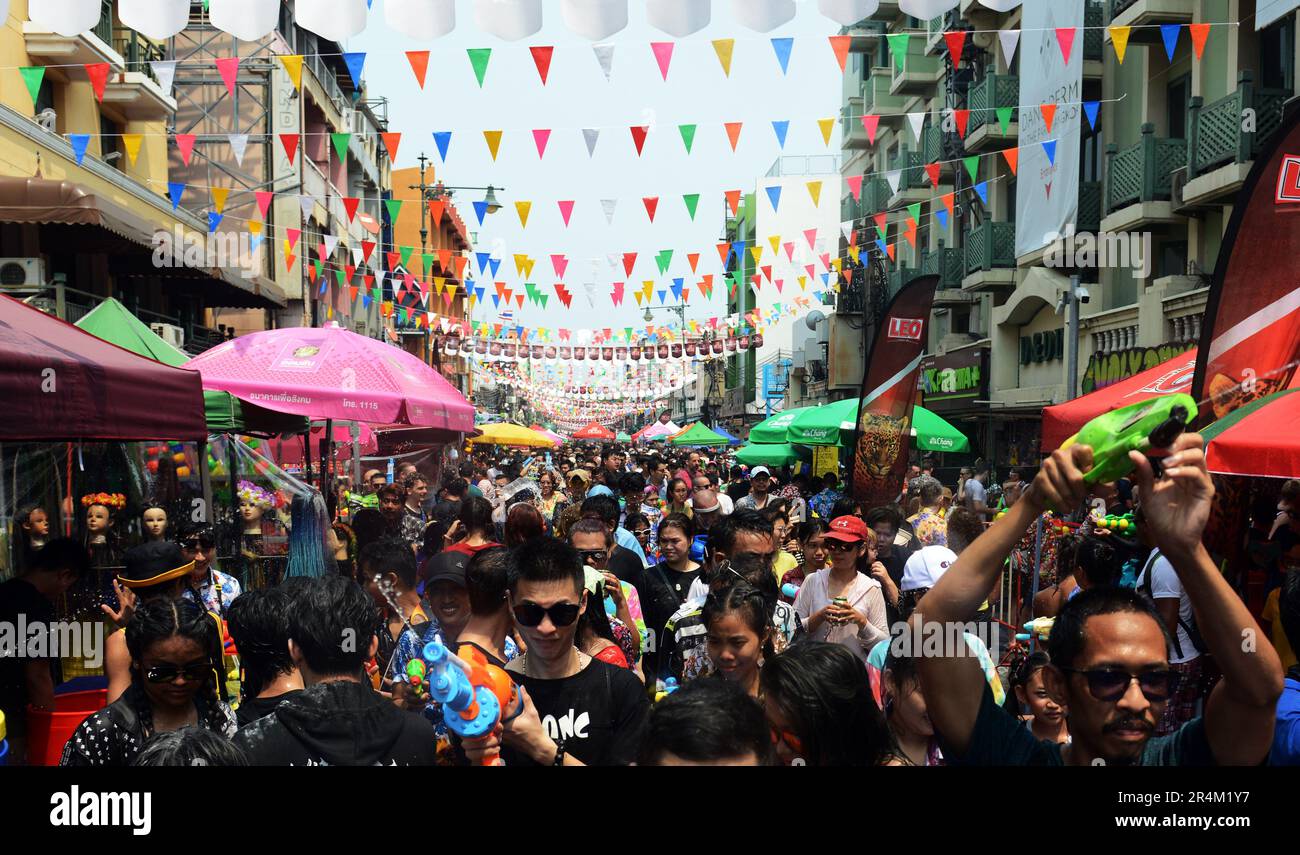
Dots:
{"x": 47, "y": 732}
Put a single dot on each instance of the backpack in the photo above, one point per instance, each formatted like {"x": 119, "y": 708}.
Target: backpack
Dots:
{"x": 1193, "y": 632}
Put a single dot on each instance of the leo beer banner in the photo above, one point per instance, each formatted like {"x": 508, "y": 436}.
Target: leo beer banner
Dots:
{"x": 1251, "y": 332}
{"x": 889, "y": 393}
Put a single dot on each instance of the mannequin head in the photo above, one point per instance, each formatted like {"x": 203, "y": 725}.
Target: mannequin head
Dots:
{"x": 36, "y": 524}
{"x": 153, "y": 520}
{"x": 100, "y": 508}
{"x": 253, "y": 503}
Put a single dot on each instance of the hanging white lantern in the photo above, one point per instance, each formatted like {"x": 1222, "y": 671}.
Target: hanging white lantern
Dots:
{"x": 594, "y": 19}
{"x": 848, "y": 12}
{"x": 927, "y": 9}
{"x": 335, "y": 20}
{"x": 421, "y": 19}
{"x": 157, "y": 19}
{"x": 678, "y": 18}
{"x": 762, "y": 15}
{"x": 246, "y": 20}
{"x": 65, "y": 17}
{"x": 1001, "y": 5}
{"x": 508, "y": 19}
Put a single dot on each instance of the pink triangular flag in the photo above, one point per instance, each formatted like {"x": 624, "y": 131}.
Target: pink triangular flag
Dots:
{"x": 855, "y": 186}
{"x": 566, "y": 210}
{"x": 870, "y": 123}
{"x": 663, "y": 56}
{"x": 811, "y": 236}
{"x": 1065, "y": 38}
{"x": 264, "y": 198}
{"x": 541, "y": 136}
{"x": 229, "y": 68}
{"x": 185, "y": 142}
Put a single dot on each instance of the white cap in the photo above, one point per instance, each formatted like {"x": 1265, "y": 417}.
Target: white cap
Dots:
{"x": 926, "y": 566}
{"x": 759, "y": 470}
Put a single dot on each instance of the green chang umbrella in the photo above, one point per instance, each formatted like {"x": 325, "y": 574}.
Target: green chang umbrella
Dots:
{"x": 699, "y": 435}
{"x": 826, "y": 425}
{"x": 776, "y": 429}
{"x": 933, "y": 433}
{"x": 772, "y": 454}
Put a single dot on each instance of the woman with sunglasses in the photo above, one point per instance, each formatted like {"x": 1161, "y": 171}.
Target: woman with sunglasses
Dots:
{"x": 811, "y": 554}
{"x": 639, "y": 525}
{"x": 173, "y": 685}
{"x": 840, "y": 604}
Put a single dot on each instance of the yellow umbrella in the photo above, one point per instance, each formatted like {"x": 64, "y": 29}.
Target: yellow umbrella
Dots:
{"x": 508, "y": 434}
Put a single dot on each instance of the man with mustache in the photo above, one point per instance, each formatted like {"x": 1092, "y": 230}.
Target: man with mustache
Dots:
{"x": 1110, "y": 661}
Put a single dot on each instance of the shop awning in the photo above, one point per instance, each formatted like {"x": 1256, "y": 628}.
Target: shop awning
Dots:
{"x": 1258, "y": 439}
{"x": 1062, "y": 421}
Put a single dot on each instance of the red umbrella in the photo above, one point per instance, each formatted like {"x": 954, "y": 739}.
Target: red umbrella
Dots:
{"x": 1257, "y": 440}
{"x": 59, "y": 383}
{"x": 595, "y": 431}
{"x": 1062, "y": 421}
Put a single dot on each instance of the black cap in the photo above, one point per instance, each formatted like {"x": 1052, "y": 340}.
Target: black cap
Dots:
{"x": 448, "y": 566}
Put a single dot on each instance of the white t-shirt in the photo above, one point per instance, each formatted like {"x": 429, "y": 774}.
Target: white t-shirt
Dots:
{"x": 975, "y": 491}
{"x": 1165, "y": 585}
{"x": 864, "y": 595}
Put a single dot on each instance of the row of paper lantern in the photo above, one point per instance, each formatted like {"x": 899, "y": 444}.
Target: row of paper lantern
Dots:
{"x": 428, "y": 19}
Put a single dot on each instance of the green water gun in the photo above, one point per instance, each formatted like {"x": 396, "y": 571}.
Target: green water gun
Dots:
{"x": 1151, "y": 424}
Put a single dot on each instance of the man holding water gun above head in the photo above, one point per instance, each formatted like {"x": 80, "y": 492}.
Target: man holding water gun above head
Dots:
{"x": 1110, "y": 661}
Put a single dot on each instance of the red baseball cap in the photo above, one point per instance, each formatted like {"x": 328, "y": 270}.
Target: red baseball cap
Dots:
{"x": 849, "y": 529}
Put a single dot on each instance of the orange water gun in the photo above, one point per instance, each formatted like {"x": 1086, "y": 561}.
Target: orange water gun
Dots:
{"x": 477, "y": 697}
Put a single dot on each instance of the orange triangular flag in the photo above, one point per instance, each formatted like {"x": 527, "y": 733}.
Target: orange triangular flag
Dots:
{"x": 733, "y": 201}
{"x": 733, "y": 133}
{"x": 840, "y": 44}
{"x": 1049, "y": 113}
{"x": 1199, "y": 32}
{"x": 1012, "y": 156}
{"x": 391, "y": 142}
{"x": 419, "y": 60}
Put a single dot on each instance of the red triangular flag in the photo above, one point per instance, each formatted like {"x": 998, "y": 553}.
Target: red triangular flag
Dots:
{"x": 264, "y": 198}
{"x": 733, "y": 201}
{"x": 871, "y": 123}
{"x": 651, "y": 205}
{"x": 185, "y": 142}
{"x": 811, "y": 236}
{"x": 855, "y": 186}
{"x": 436, "y": 208}
{"x": 292, "y": 236}
{"x": 367, "y": 247}
{"x": 1049, "y": 113}
{"x": 840, "y": 44}
{"x": 638, "y": 137}
{"x": 1065, "y": 38}
{"x": 932, "y": 170}
{"x": 962, "y": 118}
{"x": 881, "y": 220}
{"x": 1012, "y": 156}
{"x": 350, "y": 204}
{"x": 629, "y": 261}
{"x": 391, "y": 142}
{"x": 542, "y": 59}
{"x": 229, "y": 68}
{"x": 419, "y": 60}
{"x": 956, "y": 43}
{"x": 290, "y": 143}
{"x": 98, "y": 74}
{"x": 444, "y": 260}
{"x": 889, "y": 250}
{"x": 1199, "y": 33}
{"x": 394, "y": 259}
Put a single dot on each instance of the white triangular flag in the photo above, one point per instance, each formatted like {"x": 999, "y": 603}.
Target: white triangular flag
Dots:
{"x": 590, "y": 135}
{"x": 609, "y": 205}
{"x": 893, "y": 177}
{"x": 605, "y": 56}
{"x": 356, "y": 256}
{"x": 165, "y": 71}
{"x": 238, "y": 145}
{"x": 380, "y": 275}
{"x": 612, "y": 259}
{"x": 847, "y": 228}
{"x": 916, "y": 120}
{"x": 331, "y": 243}
{"x": 307, "y": 203}
{"x": 1009, "y": 39}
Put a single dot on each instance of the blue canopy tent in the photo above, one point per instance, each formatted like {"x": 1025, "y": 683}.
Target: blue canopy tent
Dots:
{"x": 725, "y": 434}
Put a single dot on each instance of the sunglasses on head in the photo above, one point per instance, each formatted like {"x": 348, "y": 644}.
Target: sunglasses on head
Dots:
{"x": 168, "y": 673}
{"x": 561, "y": 614}
{"x": 1108, "y": 684}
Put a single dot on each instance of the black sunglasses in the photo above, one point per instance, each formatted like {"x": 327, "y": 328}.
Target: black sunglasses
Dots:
{"x": 589, "y": 555}
{"x": 1106, "y": 684}
{"x": 199, "y": 543}
{"x": 531, "y": 614}
{"x": 168, "y": 673}
{"x": 840, "y": 545}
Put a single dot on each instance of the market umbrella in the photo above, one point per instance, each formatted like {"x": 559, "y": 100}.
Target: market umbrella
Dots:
{"x": 776, "y": 428}
{"x": 771, "y": 454}
{"x": 1257, "y": 440}
{"x": 333, "y": 373}
{"x": 725, "y": 434}
{"x": 934, "y": 433}
{"x": 60, "y": 383}
{"x": 700, "y": 436}
{"x": 225, "y": 413}
{"x": 1062, "y": 421}
{"x": 595, "y": 431}
{"x": 549, "y": 434}
{"x": 504, "y": 433}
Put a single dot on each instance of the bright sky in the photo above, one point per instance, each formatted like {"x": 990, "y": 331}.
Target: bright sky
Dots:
{"x": 578, "y": 96}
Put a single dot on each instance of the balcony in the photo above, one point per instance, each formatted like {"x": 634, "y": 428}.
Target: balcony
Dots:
{"x": 878, "y": 99}
{"x": 912, "y": 181}
{"x": 135, "y": 92}
{"x": 946, "y": 264}
{"x": 1139, "y": 181}
{"x": 985, "y": 131}
{"x": 855, "y": 135}
{"x": 864, "y": 34}
{"x": 919, "y": 73}
{"x": 990, "y": 256}
{"x": 875, "y": 196}
{"x": 900, "y": 276}
{"x": 1220, "y": 153}
{"x": 316, "y": 185}
{"x": 1145, "y": 16}
{"x": 89, "y": 47}
{"x": 1094, "y": 37}
{"x": 1089, "y": 217}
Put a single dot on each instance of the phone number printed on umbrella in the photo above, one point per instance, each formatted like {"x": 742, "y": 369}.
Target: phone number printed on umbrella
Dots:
{"x": 360, "y": 405}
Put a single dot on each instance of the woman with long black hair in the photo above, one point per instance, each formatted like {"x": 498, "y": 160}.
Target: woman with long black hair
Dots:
{"x": 739, "y": 623}
{"x": 175, "y": 653}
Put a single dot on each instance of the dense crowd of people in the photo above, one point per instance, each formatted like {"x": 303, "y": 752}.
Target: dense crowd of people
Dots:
{"x": 670, "y": 608}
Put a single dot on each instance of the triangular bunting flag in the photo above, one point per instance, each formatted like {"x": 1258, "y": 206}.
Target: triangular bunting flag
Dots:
{"x": 1048, "y": 112}
{"x": 783, "y": 47}
{"x": 840, "y": 45}
{"x": 724, "y": 48}
{"x": 356, "y": 63}
{"x": 781, "y": 127}
{"x": 962, "y": 118}
{"x": 480, "y": 210}
{"x": 419, "y": 60}
{"x": 541, "y": 136}
{"x": 1119, "y": 38}
{"x": 79, "y": 144}
{"x": 639, "y": 133}
{"x": 493, "y": 139}
{"x": 982, "y": 190}
{"x": 566, "y": 210}
{"x": 774, "y": 196}
{"x": 293, "y": 67}
{"x": 870, "y": 124}
{"x": 688, "y": 136}
{"x": 229, "y": 69}
{"x": 894, "y": 177}
{"x": 523, "y": 208}
{"x": 605, "y": 57}
{"x": 733, "y": 133}
{"x": 1169, "y": 34}
{"x": 827, "y": 127}
{"x": 175, "y": 189}
{"x": 219, "y": 197}
{"x": 98, "y": 74}
{"x": 542, "y": 59}
{"x": 238, "y": 145}
{"x": 590, "y": 135}
{"x": 1199, "y": 33}
{"x": 651, "y": 205}
{"x": 898, "y": 43}
{"x": 340, "y": 142}
{"x": 1009, "y": 40}
{"x": 164, "y": 70}
{"x": 1004, "y": 118}
{"x": 185, "y": 143}
{"x": 692, "y": 201}
{"x": 1090, "y": 110}
{"x": 815, "y": 192}
{"x": 663, "y": 52}
{"x": 855, "y": 186}
{"x": 33, "y": 76}
{"x": 1049, "y": 148}
{"x": 1012, "y": 156}
{"x": 436, "y": 209}
{"x": 956, "y": 42}
{"x": 609, "y": 206}
{"x": 478, "y": 58}
{"x": 289, "y": 141}
{"x": 391, "y": 143}
{"x": 932, "y": 172}
{"x": 733, "y": 201}
{"x": 972, "y": 164}
{"x": 1065, "y": 40}
{"x": 394, "y": 207}
{"x": 442, "y": 139}
{"x": 916, "y": 120}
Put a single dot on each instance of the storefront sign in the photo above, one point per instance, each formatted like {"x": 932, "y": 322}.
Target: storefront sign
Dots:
{"x": 1107, "y": 368}
{"x": 955, "y": 380}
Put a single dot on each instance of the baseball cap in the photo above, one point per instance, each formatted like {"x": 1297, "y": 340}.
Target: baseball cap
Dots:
{"x": 849, "y": 529}
{"x": 581, "y": 474}
{"x": 925, "y": 567}
{"x": 448, "y": 567}
{"x": 759, "y": 470}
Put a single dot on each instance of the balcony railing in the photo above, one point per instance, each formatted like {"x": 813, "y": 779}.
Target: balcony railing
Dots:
{"x": 932, "y": 143}
{"x": 104, "y": 29}
{"x": 1144, "y": 171}
{"x": 1118, "y": 7}
{"x": 900, "y": 276}
{"x": 875, "y": 196}
{"x": 1215, "y": 136}
{"x": 995, "y": 90}
{"x": 138, "y": 51}
{"x": 912, "y": 167}
{"x": 946, "y": 264}
{"x": 1094, "y": 19}
{"x": 990, "y": 244}
{"x": 1089, "y": 218}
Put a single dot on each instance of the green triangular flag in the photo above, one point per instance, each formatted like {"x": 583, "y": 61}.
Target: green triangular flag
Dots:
{"x": 427, "y": 259}
{"x": 33, "y": 76}
{"x": 663, "y": 259}
{"x": 692, "y": 200}
{"x": 319, "y": 267}
{"x": 543, "y": 298}
{"x": 914, "y": 211}
{"x": 881, "y": 230}
{"x": 406, "y": 255}
{"x": 394, "y": 208}
{"x": 341, "y": 144}
{"x": 627, "y": 333}
{"x": 688, "y": 136}
{"x": 401, "y": 315}
{"x": 972, "y": 166}
{"x": 898, "y": 47}
{"x": 479, "y": 57}
{"x": 1004, "y": 118}
{"x": 341, "y": 276}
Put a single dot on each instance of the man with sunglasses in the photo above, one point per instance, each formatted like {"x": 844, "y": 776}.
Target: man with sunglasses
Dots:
{"x": 578, "y": 711}
{"x": 1110, "y": 662}
{"x": 215, "y": 590}
{"x": 760, "y": 483}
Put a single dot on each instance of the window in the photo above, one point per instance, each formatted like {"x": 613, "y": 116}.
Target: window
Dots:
{"x": 1277, "y": 55}
{"x": 110, "y": 143}
{"x": 1176, "y": 97}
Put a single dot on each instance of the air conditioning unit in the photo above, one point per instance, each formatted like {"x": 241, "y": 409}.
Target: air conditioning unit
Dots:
{"x": 173, "y": 335}
{"x": 22, "y": 272}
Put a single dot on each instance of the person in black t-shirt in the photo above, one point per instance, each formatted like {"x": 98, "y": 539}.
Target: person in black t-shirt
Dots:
{"x": 885, "y": 522}
{"x": 258, "y": 621}
{"x": 578, "y": 711}
{"x": 737, "y": 487}
{"x": 665, "y": 586}
{"x": 29, "y": 600}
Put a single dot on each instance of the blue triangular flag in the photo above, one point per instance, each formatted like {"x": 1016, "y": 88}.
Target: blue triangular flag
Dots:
{"x": 483, "y": 258}
{"x": 661, "y": 295}
{"x": 355, "y": 62}
{"x": 781, "y": 129}
{"x": 480, "y": 210}
{"x": 255, "y": 240}
{"x": 1169, "y": 32}
{"x": 519, "y": 331}
{"x": 942, "y": 216}
{"x": 677, "y": 288}
{"x": 783, "y": 48}
{"x": 478, "y": 294}
{"x": 1090, "y": 110}
{"x": 826, "y": 278}
{"x": 495, "y": 265}
{"x": 442, "y": 139}
{"x": 982, "y": 189}
{"x": 365, "y": 301}
{"x": 174, "y": 190}
{"x": 1049, "y": 148}
{"x": 880, "y": 244}
{"x": 324, "y": 284}
{"x": 496, "y": 301}
{"x": 774, "y": 194}
{"x": 79, "y": 143}
{"x": 214, "y": 220}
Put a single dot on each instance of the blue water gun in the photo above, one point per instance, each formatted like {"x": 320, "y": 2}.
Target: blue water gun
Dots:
{"x": 476, "y": 696}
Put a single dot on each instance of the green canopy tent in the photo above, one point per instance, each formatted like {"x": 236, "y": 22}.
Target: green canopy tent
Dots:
{"x": 622, "y": 437}
{"x": 699, "y": 435}
{"x": 772, "y": 454}
{"x": 827, "y": 425}
{"x": 112, "y": 322}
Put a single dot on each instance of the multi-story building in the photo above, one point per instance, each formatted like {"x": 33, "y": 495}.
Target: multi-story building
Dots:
{"x": 1159, "y": 166}
{"x": 740, "y": 380}
{"x": 84, "y": 178}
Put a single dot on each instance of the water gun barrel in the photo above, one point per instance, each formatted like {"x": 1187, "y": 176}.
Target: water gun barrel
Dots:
{"x": 790, "y": 590}
{"x": 1041, "y": 627}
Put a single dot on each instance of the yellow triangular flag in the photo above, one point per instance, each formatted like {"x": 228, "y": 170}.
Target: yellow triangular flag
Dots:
{"x": 649, "y": 287}
{"x": 493, "y": 141}
{"x": 521, "y": 264}
{"x": 293, "y": 65}
{"x": 523, "y": 208}
{"x": 775, "y": 241}
{"x": 724, "y": 49}
{"x": 854, "y": 252}
{"x": 803, "y": 283}
{"x": 815, "y": 191}
{"x": 638, "y": 296}
{"x": 827, "y": 126}
{"x": 1119, "y": 37}
{"x": 757, "y": 252}
{"x": 836, "y": 264}
{"x": 472, "y": 299}
{"x": 254, "y": 227}
{"x": 132, "y": 143}
{"x": 219, "y": 195}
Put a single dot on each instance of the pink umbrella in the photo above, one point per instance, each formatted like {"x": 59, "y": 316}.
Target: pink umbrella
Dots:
{"x": 332, "y": 373}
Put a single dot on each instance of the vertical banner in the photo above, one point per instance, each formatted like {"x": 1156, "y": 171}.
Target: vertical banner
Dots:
{"x": 826, "y": 459}
{"x": 889, "y": 391}
{"x": 1047, "y": 189}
